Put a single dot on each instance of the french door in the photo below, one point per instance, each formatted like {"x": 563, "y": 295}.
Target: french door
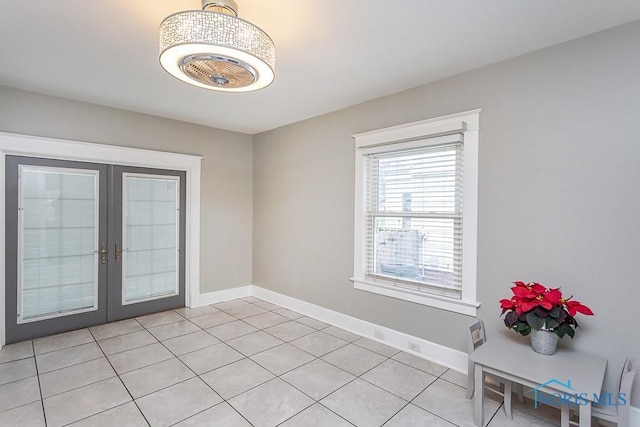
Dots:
{"x": 90, "y": 243}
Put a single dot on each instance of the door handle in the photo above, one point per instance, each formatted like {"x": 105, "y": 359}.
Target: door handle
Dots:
{"x": 118, "y": 253}
{"x": 103, "y": 253}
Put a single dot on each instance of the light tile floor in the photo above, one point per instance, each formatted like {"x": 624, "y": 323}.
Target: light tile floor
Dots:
{"x": 244, "y": 362}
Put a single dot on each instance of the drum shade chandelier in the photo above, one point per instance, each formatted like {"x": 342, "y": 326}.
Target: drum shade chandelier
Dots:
{"x": 214, "y": 49}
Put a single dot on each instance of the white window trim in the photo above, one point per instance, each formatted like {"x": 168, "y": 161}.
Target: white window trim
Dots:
{"x": 467, "y": 123}
{"x": 34, "y": 146}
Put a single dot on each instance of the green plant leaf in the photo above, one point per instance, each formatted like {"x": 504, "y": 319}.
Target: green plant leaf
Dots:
{"x": 541, "y": 312}
{"x": 534, "y": 321}
{"x": 564, "y": 329}
{"x": 510, "y": 318}
{"x": 562, "y": 315}
{"x": 551, "y": 323}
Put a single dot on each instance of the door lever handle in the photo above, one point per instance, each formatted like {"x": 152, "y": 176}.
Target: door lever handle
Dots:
{"x": 118, "y": 253}
{"x": 103, "y": 253}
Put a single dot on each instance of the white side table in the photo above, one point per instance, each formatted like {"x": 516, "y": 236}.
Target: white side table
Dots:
{"x": 510, "y": 356}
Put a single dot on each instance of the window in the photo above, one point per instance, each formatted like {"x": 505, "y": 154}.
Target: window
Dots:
{"x": 416, "y": 212}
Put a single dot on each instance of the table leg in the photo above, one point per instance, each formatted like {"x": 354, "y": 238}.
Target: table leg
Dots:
{"x": 585, "y": 414}
{"x": 507, "y": 399}
{"x": 478, "y": 416}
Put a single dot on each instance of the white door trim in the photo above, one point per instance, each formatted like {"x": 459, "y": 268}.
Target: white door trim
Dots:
{"x": 35, "y": 146}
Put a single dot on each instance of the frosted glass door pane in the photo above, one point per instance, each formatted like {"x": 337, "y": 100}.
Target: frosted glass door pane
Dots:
{"x": 150, "y": 237}
{"x": 58, "y": 237}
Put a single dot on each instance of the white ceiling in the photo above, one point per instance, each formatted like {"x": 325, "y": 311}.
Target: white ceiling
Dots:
{"x": 329, "y": 53}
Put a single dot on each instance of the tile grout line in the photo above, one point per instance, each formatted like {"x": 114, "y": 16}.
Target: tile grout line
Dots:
{"x": 242, "y": 335}
{"x": 106, "y": 357}
{"x": 44, "y": 414}
{"x": 200, "y": 378}
{"x": 316, "y": 401}
{"x": 281, "y": 379}
{"x": 196, "y": 375}
{"x": 330, "y": 410}
{"x": 117, "y": 335}
{"x": 366, "y": 348}
{"x": 18, "y": 380}
{"x": 313, "y": 402}
{"x": 70, "y": 366}
{"x": 408, "y": 402}
{"x": 249, "y": 357}
{"x": 84, "y": 385}
{"x": 495, "y": 413}
{"x": 17, "y": 360}
{"x": 66, "y": 348}
{"x": 158, "y": 341}
{"x": 396, "y": 413}
{"x": 421, "y": 370}
{"x": 315, "y": 357}
{"x": 205, "y": 410}
{"x": 123, "y": 385}
{"x": 356, "y": 376}
{"x": 129, "y": 349}
{"x": 273, "y": 348}
{"x": 276, "y": 376}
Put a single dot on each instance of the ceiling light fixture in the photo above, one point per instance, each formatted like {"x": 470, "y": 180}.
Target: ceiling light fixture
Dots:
{"x": 214, "y": 49}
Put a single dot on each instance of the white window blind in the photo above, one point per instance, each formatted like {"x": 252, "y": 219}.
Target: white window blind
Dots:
{"x": 151, "y": 211}
{"x": 413, "y": 215}
{"x": 58, "y": 238}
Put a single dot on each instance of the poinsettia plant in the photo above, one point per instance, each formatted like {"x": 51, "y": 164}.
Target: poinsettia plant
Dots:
{"x": 534, "y": 306}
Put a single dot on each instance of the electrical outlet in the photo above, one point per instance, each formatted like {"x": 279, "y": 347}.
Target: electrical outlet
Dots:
{"x": 415, "y": 347}
{"x": 378, "y": 334}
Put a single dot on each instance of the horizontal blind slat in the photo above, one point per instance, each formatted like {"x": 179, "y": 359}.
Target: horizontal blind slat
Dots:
{"x": 413, "y": 218}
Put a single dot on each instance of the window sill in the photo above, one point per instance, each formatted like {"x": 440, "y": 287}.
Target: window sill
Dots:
{"x": 465, "y": 307}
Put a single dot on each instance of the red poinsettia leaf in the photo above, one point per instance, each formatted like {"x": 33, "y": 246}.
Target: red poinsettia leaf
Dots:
{"x": 537, "y": 288}
{"x": 546, "y": 304}
{"x": 576, "y": 307}
{"x": 553, "y": 296}
{"x": 529, "y": 305}
{"x": 584, "y": 310}
{"x": 522, "y": 292}
{"x": 506, "y": 304}
{"x": 519, "y": 283}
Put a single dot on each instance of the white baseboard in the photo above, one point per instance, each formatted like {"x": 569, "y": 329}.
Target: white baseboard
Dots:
{"x": 451, "y": 358}
{"x": 220, "y": 296}
{"x": 442, "y": 355}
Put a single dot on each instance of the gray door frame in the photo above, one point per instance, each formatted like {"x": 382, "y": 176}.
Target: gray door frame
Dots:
{"x": 117, "y": 310}
{"x": 19, "y": 332}
{"x": 110, "y": 306}
{"x": 65, "y": 149}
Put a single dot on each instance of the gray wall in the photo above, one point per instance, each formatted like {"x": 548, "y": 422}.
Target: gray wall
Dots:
{"x": 558, "y": 197}
{"x": 226, "y": 211}
{"x": 559, "y": 167}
